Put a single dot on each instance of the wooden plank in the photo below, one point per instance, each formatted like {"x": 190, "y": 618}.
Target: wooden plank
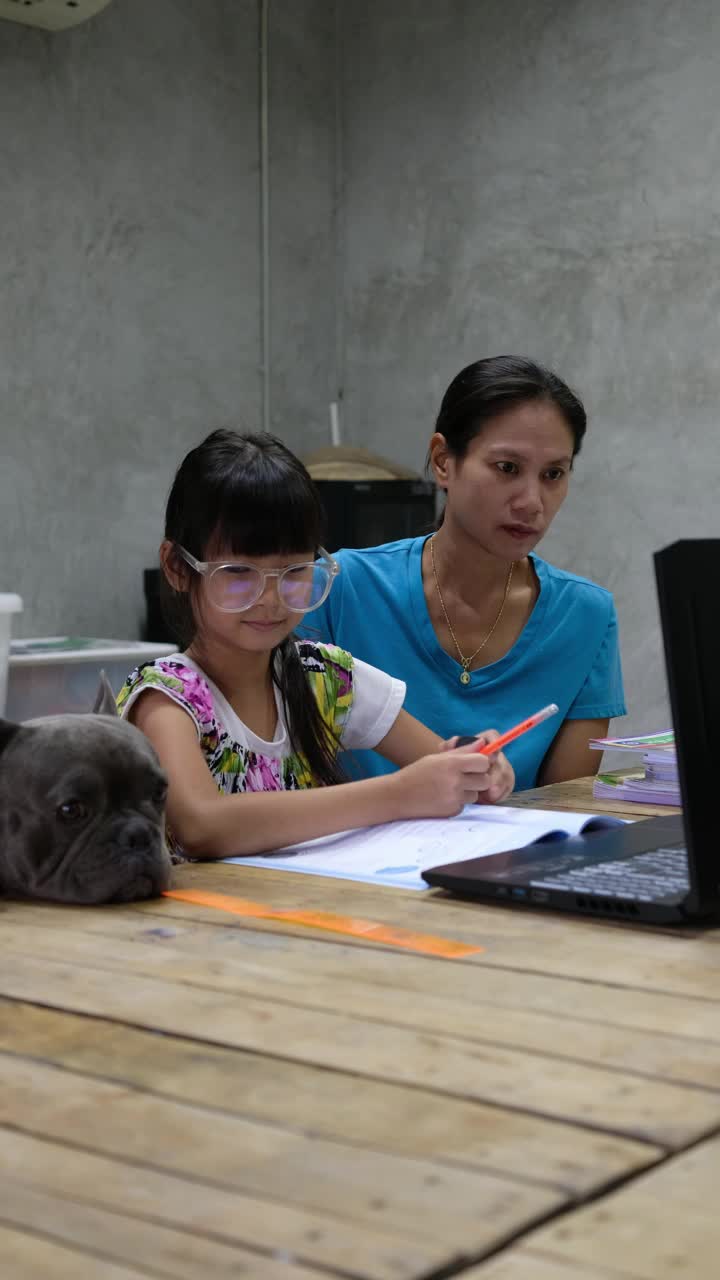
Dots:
{"x": 127, "y": 1241}
{"x": 663, "y": 1226}
{"x": 667, "y": 1114}
{"x": 419, "y": 1198}
{"x": 671, "y": 961}
{"x": 28, "y": 1256}
{"x": 330, "y": 1104}
{"x": 195, "y": 950}
{"x": 676, "y": 961}
{"x": 231, "y": 1218}
{"x": 333, "y": 978}
{"x": 521, "y": 1264}
{"x": 647, "y": 960}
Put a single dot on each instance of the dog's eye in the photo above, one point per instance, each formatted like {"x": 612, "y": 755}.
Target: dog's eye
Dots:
{"x": 160, "y": 791}
{"x": 71, "y": 811}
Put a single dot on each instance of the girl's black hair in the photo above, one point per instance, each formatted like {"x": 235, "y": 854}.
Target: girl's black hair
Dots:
{"x": 489, "y": 387}
{"x": 249, "y": 495}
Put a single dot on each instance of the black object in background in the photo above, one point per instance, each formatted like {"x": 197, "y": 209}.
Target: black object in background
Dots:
{"x": 156, "y": 628}
{"x": 365, "y": 513}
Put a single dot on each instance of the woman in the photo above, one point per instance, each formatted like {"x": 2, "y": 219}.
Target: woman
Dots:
{"x": 480, "y": 628}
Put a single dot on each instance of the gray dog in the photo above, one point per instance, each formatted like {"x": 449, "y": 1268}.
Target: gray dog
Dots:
{"x": 82, "y": 801}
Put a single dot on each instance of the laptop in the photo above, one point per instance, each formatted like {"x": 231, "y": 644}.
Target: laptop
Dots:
{"x": 660, "y": 870}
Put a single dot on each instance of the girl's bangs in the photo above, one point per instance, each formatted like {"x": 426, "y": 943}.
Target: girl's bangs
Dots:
{"x": 275, "y": 511}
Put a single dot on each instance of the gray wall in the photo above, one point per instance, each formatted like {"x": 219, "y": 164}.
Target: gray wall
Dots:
{"x": 303, "y": 293}
{"x": 130, "y": 277}
{"x": 545, "y": 178}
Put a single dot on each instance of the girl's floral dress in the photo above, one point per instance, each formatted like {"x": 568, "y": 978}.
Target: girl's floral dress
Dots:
{"x": 238, "y": 765}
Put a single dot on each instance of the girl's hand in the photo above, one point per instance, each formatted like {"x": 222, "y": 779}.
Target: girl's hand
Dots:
{"x": 501, "y": 776}
{"x": 438, "y": 786}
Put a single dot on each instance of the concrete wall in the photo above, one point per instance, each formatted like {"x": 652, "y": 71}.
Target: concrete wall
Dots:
{"x": 303, "y": 294}
{"x": 130, "y": 277}
{"x": 545, "y": 178}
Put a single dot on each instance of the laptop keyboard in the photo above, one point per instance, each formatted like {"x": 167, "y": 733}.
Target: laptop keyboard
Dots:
{"x": 645, "y": 877}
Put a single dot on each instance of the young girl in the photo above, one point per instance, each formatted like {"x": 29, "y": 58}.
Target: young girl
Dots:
{"x": 248, "y": 721}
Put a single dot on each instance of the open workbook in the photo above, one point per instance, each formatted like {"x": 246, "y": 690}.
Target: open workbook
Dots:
{"x": 398, "y": 852}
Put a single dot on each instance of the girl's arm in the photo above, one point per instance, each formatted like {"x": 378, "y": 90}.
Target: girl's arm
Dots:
{"x": 208, "y": 824}
{"x": 569, "y": 755}
{"x": 409, "y": 740}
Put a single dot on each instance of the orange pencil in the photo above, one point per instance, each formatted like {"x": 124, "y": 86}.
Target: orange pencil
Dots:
{"x": 489, "y": 748}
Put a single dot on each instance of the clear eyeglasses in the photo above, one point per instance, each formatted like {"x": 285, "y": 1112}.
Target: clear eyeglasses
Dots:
{"x": 236, "y": 587}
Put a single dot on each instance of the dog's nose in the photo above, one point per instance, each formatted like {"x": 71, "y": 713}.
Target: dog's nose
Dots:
{"x": 137, "y": 836}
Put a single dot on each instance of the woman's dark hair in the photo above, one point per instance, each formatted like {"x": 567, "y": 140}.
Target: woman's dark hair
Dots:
{"x": 489, "y": 387}
{"x": 249, "y": 495}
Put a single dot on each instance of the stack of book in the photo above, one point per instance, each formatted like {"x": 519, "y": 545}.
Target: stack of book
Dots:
{"x": 656, "y": 782}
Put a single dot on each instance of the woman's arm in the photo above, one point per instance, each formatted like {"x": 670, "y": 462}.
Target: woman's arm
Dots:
{"x": 208, "y": 824}
{"x": 408, "y": 740}
{"x": 569, "y": 755}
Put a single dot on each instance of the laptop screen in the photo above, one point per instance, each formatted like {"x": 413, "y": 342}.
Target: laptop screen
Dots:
{"x": 687, "y": 575}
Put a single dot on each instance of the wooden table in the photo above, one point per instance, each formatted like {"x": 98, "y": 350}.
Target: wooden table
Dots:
{"x": 190, "y": 1093}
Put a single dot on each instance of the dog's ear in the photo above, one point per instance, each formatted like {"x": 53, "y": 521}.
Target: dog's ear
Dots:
{"x": 8, "y": 729}
{"x": 105, "y": 698}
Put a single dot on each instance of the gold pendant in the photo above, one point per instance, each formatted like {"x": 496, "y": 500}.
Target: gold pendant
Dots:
{"x": 465, "y": 677}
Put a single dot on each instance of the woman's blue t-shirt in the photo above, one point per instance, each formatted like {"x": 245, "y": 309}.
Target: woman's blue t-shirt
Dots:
{"x": 567, "y": 653}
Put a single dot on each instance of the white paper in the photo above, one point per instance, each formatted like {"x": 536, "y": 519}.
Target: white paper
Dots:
{"x": 397, "y": 852}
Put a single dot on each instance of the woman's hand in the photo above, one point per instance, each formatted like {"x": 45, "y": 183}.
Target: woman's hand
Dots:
{"x": 500, "y": 778}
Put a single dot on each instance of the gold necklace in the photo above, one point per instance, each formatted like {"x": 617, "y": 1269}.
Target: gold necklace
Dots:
{"x": 465, "y": 662}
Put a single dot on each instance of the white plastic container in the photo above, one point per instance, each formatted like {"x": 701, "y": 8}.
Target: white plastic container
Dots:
{"x": 54, "y": 674}
{"x": 9, "y": 604}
